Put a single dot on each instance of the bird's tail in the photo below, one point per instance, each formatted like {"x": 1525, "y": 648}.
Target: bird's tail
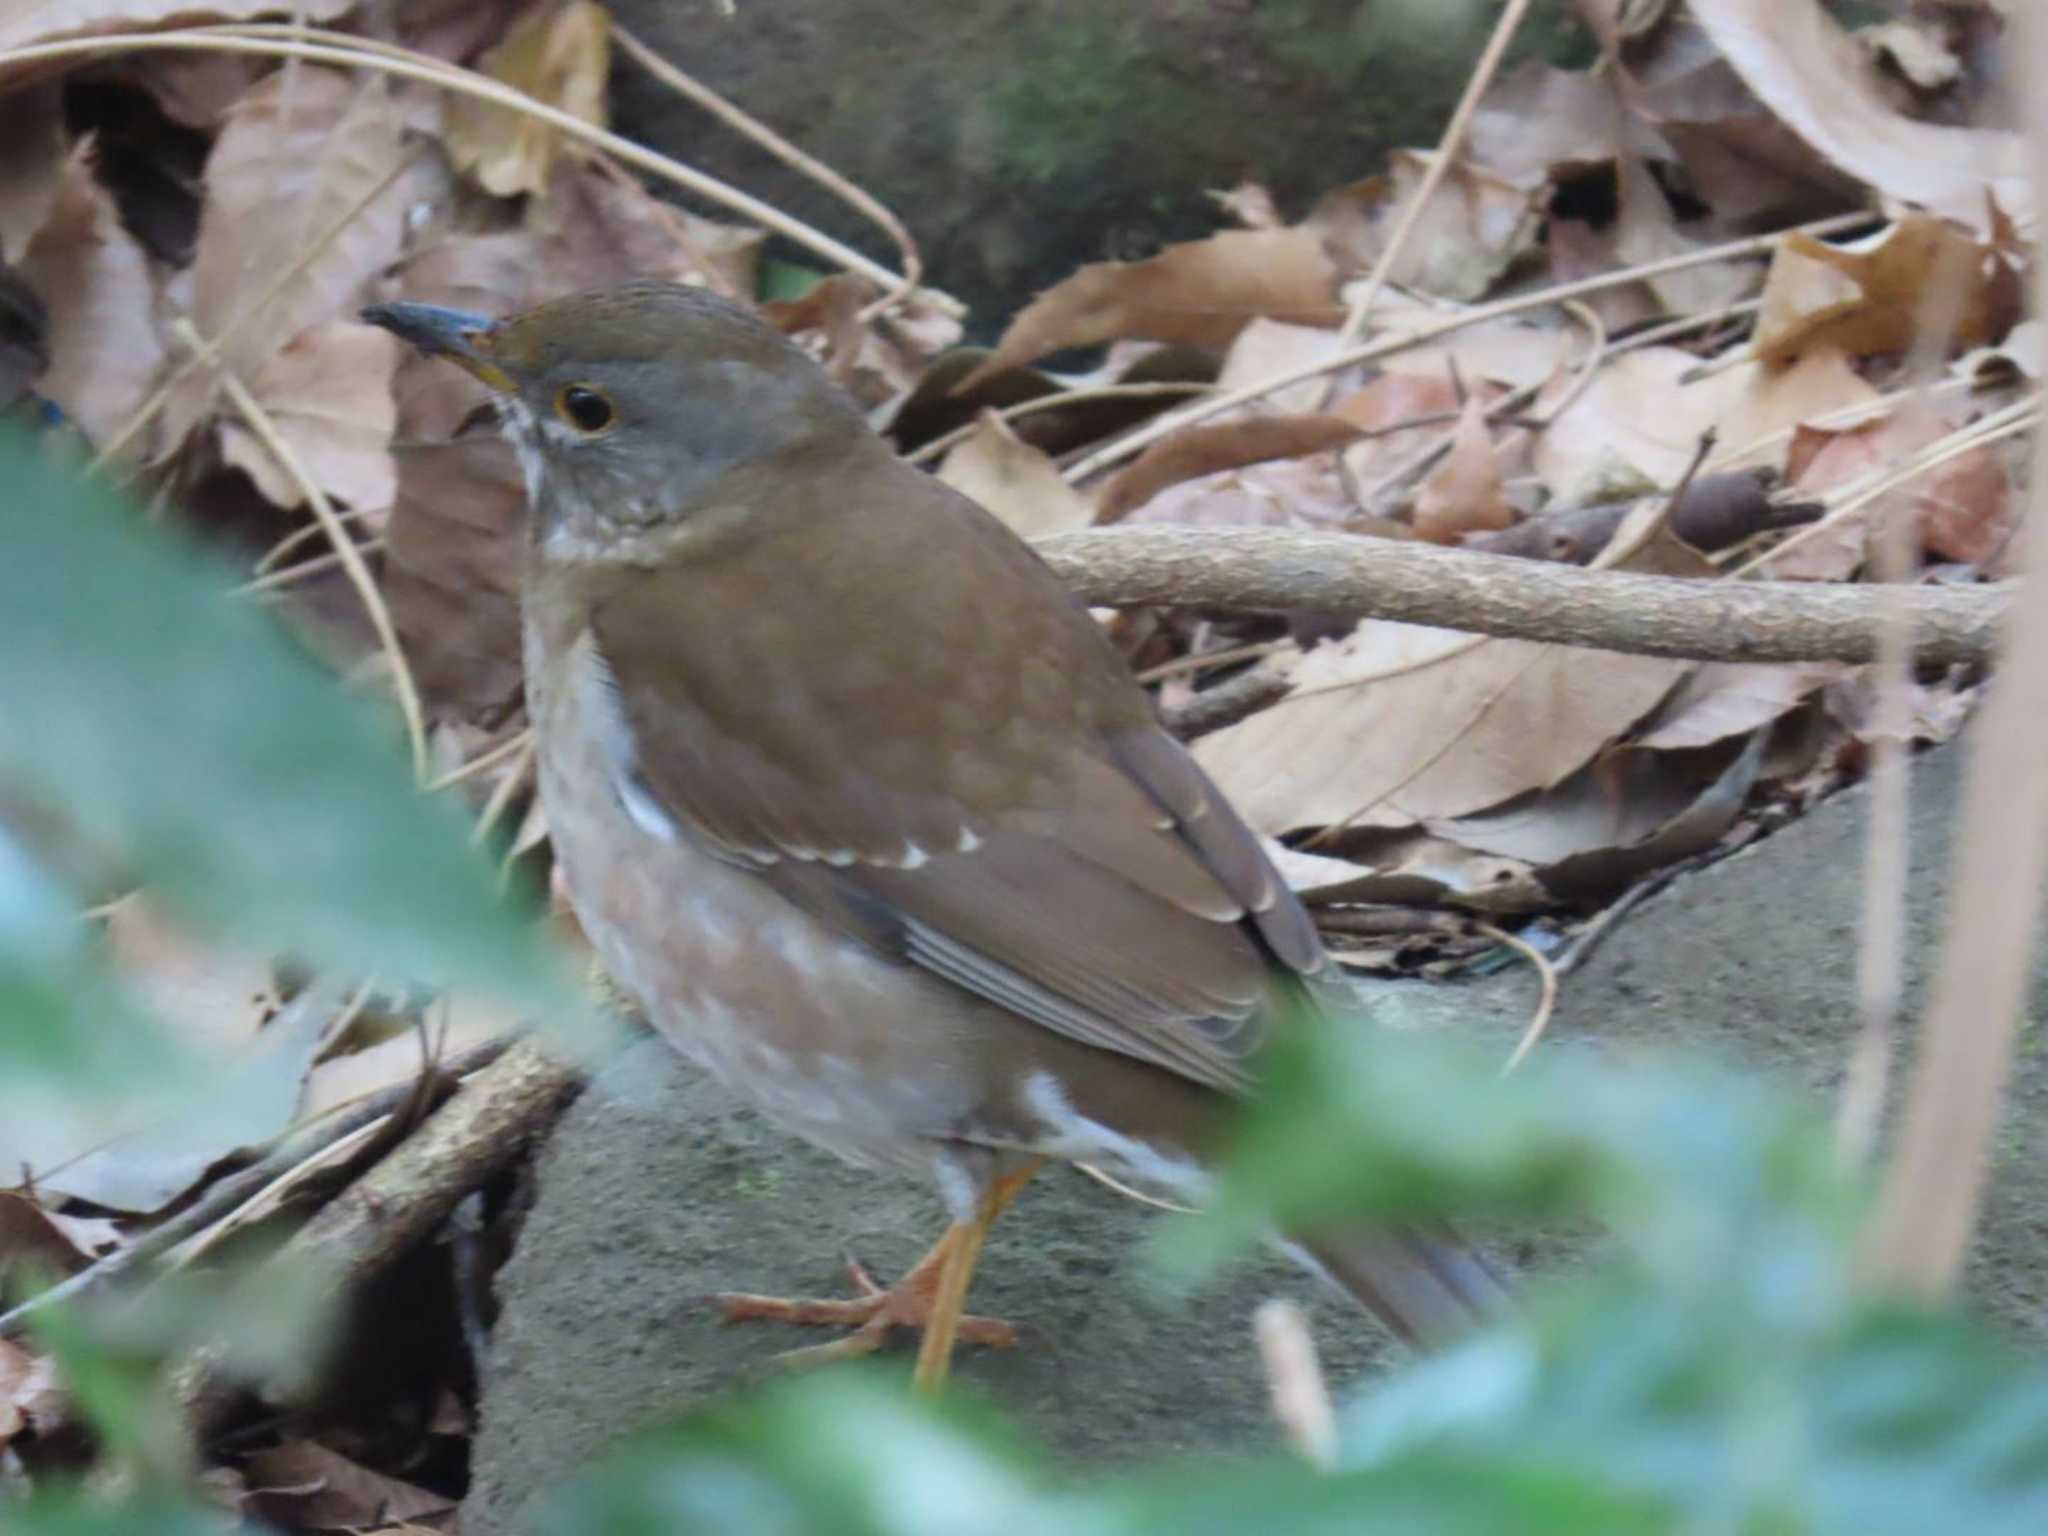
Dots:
{"x": 1429, "y": 1287}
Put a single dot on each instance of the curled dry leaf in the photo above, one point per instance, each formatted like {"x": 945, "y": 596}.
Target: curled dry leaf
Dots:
{"x": 95, "y": 283}
{"x": 1411, "y": 869}
{"x": 1203, "y": 293}
{"x": 1207, "y": 450}
{"x": 1473, "y": 228}
{"x": 328, "y": 392}
{"x": 1396, "y": 723}
{"x": 558, "y": 55}
{"x": 1463, "y": 493}
{"x": 1729, "y": 698}
{"x": 1873, "y": 296}
{"x": 1014, "y": 480}
{"x": 299, "y": 151}
{"x": 1811, "y": 73}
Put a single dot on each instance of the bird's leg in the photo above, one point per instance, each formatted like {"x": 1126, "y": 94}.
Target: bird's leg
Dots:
{"x": 962, "y": 1248}
{"x": 914, "y": 1301}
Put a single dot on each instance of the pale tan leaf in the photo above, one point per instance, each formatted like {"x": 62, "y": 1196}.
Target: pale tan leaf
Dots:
{"x": 1473, "y": 228}
{"x": 1265, "y": 349}
{"x": 1462, "y": 494}
{"x": 558, "y": 55}
{"x": 1634, "y": 429}
{"x": 1811, "y": 73}
{"x": 299, "y": 151}
{"x": 1403, "y": 723}
{"x": 105, "y": 353}
{"x": 1539, "y": 119}
{"x": 1730, "y": 698}
{"x": 328, "y": 392}
{"x": 455, "y": 1024}
{"x": 1014, "y": 480}
{"x": 1202, "y": 293}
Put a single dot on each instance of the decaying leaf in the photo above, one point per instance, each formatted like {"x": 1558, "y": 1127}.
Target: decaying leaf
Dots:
{"x": 300, "y": 151}
{"x": 558, "y": 54}
{"x": 95, "y": 283}
{"x": 1014, "y": 480}
{"x": 1396, "y": 723}
{"x": 1473, "y": 228}
{"x": 1539, "y": 119}
{"x": 1873, "y": 296}
{"x": 1463, "y": 493}
{"x": 328, "y": 392}
{"x": 1729, "y": 698}
{"x": 1203, "y": 292}
{"x": 1207, "y": 450}
{"x": 303, "y": 1486}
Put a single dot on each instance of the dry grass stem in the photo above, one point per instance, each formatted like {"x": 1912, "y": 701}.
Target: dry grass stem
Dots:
{"x": 1546, "y": 1003}
{"x": 1448, "y": 148}
{"x": 1736, "y": 250}
{"x": 1935, "y": 1185}
{"x": 345, "y": 548}
{"x": 1294, "y": 1380}
{"x": 938, "y": 446}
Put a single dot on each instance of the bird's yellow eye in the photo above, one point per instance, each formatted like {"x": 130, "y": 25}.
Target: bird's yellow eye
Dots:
{"x": 588, "y": 410}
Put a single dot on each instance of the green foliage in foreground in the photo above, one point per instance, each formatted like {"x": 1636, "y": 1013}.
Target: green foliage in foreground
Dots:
{"x": 1720, "y": 1374}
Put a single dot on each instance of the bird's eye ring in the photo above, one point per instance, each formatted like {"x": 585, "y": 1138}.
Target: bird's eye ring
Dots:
{"x": 588, "y": 410}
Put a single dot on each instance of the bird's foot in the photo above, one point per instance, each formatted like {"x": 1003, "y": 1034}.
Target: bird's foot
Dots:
{"x": 871, "y": 1313}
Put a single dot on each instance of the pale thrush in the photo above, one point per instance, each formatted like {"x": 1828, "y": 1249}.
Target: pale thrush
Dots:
{"x": 860, "y": 804}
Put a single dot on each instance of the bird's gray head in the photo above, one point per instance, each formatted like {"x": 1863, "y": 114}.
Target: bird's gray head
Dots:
{"x": 632, "y": 406}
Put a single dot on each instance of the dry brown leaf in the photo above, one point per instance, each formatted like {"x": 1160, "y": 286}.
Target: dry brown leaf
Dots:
{"x": 557, "y": 54}
{"x": 1634, "y": 429}
{"x": 1811, "y": 73}
{"x": 1207, "y": 450}
{"x": 1965, "y": 509}
{"x": 328, "y": 392}
{"x": 95, "y": 281}
{"x": 1753, "y": 427}
{"x": 599, "y": 230}
{"x": 1646, "y": 231}
{"x": 1872, "y": 296}
{"x": 32, "y": 160}
{"x": 1250, "y": 204}
{"x": 299, "y": 151}
{"x": 1472, "y": 230}
{"x": 32, "y": 1247}
{"x": 1729, "y": 698}
{"x": 301, "y": 1486}
{"x": 41, "y": 21}
{"x": 1462, "y": 494}
{"x": 1307, "y": 492}
{"x": 1405, "y": 724}
{"x": 1203, "y": 293}
{"x": 1265, "y": 349}
{"x": 1014, "y": 480}
{"x": 30, "y": 1398}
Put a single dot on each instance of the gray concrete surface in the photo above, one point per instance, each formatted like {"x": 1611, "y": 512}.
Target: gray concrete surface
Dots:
{"x": 655, "y": 1191}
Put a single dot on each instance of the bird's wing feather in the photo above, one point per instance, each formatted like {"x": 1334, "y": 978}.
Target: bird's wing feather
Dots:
{"x": 1014, "y": 821}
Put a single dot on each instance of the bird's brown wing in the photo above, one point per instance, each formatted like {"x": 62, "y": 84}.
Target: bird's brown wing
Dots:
{"x": 980, "y": 791}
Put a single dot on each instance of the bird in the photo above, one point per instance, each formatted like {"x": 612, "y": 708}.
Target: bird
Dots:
{"x": 861, "y": 806}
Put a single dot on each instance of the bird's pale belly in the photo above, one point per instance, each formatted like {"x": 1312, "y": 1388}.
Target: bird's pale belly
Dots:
{"x": 866, "y": 1058}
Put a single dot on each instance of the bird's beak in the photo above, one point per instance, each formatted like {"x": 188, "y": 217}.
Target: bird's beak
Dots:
{"x": 456, "y": 334}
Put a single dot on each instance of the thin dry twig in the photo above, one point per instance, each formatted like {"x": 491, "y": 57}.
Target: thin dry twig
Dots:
{"x": 938, "y": 446}
{"x": 1448, "y": 148}
{"x": 1935, "y": 1186}
{"x": 1546, "y": 1003}
{"x": 355, "y": 53}
{"x": 1737, "y": 250}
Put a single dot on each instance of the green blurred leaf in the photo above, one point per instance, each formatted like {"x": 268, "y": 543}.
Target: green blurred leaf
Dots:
{"x": 178, "y": 727}
{"x": 1685, "y": 1160}
{"x": 844, "y": 1454}
{"x": 81, "y": 1514}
